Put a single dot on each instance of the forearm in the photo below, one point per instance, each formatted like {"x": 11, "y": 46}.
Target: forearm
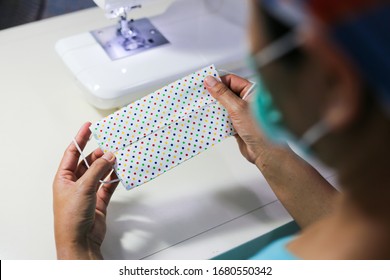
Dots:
{"x": 305, "y": 194}
{"x": 78, "y": 252}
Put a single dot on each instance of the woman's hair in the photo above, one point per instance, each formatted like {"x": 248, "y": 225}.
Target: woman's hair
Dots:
{"x": 275, "y": 29}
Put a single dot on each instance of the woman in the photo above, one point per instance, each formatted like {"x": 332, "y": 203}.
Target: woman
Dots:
{"x": 328, "y": 92}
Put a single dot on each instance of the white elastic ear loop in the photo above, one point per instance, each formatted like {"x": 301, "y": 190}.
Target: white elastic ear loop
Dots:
{"x": 314, "y": 134}
{"x": 248, "y": 92}
{"x": 88, "y": 166}
{"x": 278, "y": 48}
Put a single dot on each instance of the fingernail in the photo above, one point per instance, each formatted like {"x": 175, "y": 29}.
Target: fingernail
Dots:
{"x": 108, "y": 156}
{"x": 210, "y": 81}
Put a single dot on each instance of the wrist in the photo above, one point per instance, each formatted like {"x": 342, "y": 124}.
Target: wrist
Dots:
{"x": 270, "y": 158}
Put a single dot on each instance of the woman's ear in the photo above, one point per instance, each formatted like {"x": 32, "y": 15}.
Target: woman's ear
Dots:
{"x": 344, "y": 92}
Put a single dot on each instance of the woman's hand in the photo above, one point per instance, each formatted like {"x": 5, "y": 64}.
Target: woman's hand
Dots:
{"x": 229, "y": 93}
{"x": 302, "y": 190}
{"x": 80, "y": 203}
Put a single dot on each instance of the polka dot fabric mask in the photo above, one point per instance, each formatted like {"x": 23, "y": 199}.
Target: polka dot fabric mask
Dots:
{"x": 163, "y": 129}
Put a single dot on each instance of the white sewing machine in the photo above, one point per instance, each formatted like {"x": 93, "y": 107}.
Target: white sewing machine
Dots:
{"x": 121, "y": 63}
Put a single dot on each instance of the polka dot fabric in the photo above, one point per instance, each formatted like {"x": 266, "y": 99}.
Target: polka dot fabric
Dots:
{"x": 163, "y": 129}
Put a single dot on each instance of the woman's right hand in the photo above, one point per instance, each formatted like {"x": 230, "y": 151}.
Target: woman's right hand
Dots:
{"x": 229, "y": 93}
{"x": 305, "y": 194}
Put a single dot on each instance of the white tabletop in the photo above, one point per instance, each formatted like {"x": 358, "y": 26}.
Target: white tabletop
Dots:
{"x": 206, "y": 206}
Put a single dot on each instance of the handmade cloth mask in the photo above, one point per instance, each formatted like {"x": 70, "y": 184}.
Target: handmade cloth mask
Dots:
{"x": 163, "y": 129}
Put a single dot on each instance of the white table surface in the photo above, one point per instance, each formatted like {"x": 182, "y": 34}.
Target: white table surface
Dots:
{"x": 206, "y": 206}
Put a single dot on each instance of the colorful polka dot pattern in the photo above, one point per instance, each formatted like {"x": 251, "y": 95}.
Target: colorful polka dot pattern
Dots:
{"x": 163, "y": 129}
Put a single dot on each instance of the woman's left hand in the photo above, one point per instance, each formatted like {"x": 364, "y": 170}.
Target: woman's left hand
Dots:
{"x": 80, "y": 201}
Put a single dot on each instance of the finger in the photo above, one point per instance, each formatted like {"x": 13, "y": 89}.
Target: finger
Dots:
{"x": 71, "y": 156}
{"x": 237, "y": 84}
{"x": 82, "y": 168}
{"x": 224, "y": 95}
{"x": 104, "y": 194}
{"x": 89, "y": 182}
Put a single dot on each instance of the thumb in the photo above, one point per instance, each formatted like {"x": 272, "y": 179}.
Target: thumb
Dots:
{"x": 97, "y": 171}
{"x": 224, "y": 95}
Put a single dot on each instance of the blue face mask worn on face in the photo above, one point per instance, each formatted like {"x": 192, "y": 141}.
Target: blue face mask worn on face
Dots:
{"x": 264, "y": 109}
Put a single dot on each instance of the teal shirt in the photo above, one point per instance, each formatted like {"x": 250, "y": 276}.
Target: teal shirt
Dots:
{"x": 276, "y": 251}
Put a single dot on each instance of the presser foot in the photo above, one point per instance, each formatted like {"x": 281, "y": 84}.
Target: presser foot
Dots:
{"x": 138, "y": 36}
